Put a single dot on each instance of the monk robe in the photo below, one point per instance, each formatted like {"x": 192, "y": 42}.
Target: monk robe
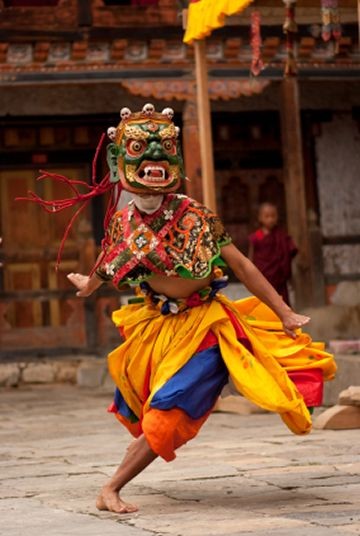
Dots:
{"x": 273, "y": 253}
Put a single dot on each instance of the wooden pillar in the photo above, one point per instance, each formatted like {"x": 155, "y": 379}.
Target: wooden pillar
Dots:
{"x": 84, "y": 10}
{"x": 294, "y": 181}
{"x": 358, "y": 6}
{"x": 204, "y": 114}
{"x": 313, "y": 213}
{"x": 191, "y": 149}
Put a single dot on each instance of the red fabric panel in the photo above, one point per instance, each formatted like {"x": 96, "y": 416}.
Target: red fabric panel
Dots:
{"x": 310, "y": 383}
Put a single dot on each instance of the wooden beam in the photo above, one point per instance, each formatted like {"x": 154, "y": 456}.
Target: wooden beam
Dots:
{"x": 273, "y": 15}
{"x": 295, "y": 190}
{"x": 204, "y": 115}
{"x": 191, "y": 151}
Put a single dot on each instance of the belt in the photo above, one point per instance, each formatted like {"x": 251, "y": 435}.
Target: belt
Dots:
{"x": 145, "y": 294}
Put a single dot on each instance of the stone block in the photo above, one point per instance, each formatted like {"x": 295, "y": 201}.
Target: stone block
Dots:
{"x": 238, "y": 405}
{"x": 91, "y": 374}
{"x": 339, "y": 418}
{"x": 347, "y": 293}
{"x": 9, "y": 375}
{"x": 39, "y": 373}
{"x": 350, "y": 397}
{"x": 236, "y": 291}
{"x": 66, "y": 372}
{"x": 348, "y": 370}
{"x": 345, "y": 347}
{"x": 108, "y": 385}
{"x": 333, "y": 322}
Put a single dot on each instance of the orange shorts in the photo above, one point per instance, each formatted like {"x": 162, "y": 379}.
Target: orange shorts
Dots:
{"x": 165, "y": 430}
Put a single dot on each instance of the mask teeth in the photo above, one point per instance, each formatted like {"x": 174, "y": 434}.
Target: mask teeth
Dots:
{"x": 149, "y": 169}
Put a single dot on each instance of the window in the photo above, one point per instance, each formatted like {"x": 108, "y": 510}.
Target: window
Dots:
{"x": 30, "y": 3}
{"x": 120, "y": 3}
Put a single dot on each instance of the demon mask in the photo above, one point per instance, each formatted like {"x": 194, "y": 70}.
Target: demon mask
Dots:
{"x": 145, "y": 152}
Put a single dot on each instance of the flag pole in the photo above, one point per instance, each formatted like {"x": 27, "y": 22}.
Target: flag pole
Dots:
{"x": 205, "y": 130}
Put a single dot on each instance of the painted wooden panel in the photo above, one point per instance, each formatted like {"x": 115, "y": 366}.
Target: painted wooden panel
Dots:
{"x": 338, "y": 178}
{"x": 19, "y": 221}
{"x": 338, "y": 168}
{"x": 31, "y": 239}
{"x": 18, "y": 277}
{"x": 60, "y": 310}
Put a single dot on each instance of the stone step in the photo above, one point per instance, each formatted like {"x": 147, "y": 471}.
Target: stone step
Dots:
{"x": 339, "y": 418}
{"x": 350, "y": 397}
{"x": 236, "y": 404}
{"x": 66, "y": 369}
{"x": 348, "y": 371}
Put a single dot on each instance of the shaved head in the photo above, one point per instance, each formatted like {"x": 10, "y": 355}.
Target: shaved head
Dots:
{"x": 267, "y": 204}
{"x": 268, "y": 215}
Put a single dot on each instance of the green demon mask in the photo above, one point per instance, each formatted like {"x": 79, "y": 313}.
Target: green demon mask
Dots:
{"x": 145, "y": 154}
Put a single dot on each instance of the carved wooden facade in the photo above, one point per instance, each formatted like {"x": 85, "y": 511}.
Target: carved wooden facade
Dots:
{"x": 89, "y": 58}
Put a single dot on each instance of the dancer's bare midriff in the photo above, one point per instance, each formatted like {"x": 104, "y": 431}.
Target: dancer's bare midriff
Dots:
{"x": 177, "y": 287}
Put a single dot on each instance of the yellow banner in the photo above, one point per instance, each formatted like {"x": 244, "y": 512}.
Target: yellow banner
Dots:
{"x": 204, "y": 16}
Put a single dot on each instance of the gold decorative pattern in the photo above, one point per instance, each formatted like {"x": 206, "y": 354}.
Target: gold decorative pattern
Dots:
{"x": 168, "y": 132}
{"x": 130, "y": 172}
{"x": 135, "y": 133}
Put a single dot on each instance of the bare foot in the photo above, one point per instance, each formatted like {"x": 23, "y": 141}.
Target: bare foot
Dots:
{"x": 110, "y": 500}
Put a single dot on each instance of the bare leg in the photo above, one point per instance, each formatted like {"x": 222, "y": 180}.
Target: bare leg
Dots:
{"x": 138, "y": 456}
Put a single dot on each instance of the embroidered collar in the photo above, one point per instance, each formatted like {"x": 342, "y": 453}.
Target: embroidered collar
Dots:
{"x": 143, "y": 238}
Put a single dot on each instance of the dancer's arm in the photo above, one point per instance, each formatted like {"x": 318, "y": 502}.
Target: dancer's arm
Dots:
{"x": 258, "y": 285}
{"x": 86, "y": 285}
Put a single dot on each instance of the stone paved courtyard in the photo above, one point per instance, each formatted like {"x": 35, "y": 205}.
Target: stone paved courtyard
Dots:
{"x": 244, "y": 475}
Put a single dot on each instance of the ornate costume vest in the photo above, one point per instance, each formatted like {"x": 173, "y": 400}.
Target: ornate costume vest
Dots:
{"x": 181, "y": 239}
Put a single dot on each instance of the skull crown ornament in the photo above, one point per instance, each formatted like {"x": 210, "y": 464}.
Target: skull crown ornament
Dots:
{"x": 145, "y": 153}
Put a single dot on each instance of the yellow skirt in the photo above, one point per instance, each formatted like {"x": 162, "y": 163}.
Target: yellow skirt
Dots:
{"x": 157, "y": 347}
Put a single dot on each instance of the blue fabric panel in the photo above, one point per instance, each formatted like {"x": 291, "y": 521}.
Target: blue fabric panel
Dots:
{"x": 123, "y": 408}
{"x": 196, "y": 386}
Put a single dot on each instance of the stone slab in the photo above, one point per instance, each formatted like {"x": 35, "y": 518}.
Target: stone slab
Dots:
{"x": 243, "y": 475}
{"x": 348, "y": 371}
{"x": 32, "y": 517}
{"x": 339, "y": 418}
{"x": 9, "y": 375}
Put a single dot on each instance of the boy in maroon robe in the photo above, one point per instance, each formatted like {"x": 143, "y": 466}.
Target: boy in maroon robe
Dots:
{"x": 272, "y": 249}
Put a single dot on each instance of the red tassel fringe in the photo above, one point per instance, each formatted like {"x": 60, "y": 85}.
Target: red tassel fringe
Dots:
{"x": 94, "y": 189}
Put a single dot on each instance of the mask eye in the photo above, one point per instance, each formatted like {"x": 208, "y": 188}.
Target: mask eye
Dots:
{"x": 135, "y": 147}
{"x": 169, "y": 146}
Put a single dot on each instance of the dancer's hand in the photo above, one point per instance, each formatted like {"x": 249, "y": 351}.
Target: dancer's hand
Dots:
{"x": 292, "y": 321}
{"x": 82, "y": 282}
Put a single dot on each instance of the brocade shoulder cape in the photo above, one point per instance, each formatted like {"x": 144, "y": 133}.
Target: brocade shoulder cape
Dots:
{"x": 181, "y": 239}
